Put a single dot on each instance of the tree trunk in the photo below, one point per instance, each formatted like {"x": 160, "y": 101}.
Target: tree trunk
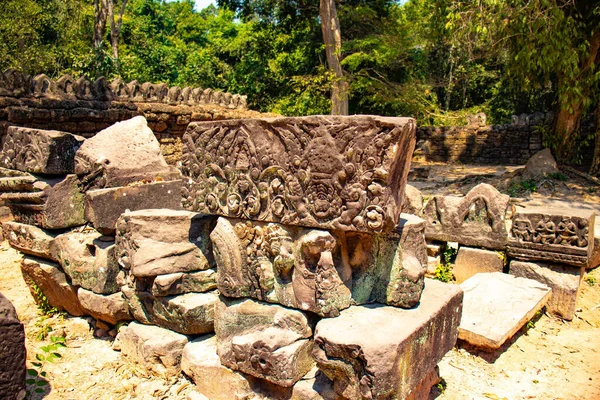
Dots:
{"x": 100, "y": 15}
{"x": 115, "y": 29}
{"x": 332, "y": 37}
{"x": 595, "y": 169}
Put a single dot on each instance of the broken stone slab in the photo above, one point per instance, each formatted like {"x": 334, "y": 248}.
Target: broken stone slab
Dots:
{"x": 264, "y": 340}
{"x": 413, "y": 201}
{"x": 330, "y": 172}
{"x": 49, "y": 203}
{"x": 184, "y": 282}
{"x": 158, "y": 242}
{"x": 123, "y": 153}
{"x": 389, "y": 363}
{"x": 563, "y": 236}
{"x": 476, "y": 219}
{"x": 471, "y": 261}
{"x": 39, "y": 151}
{"x": 564, "y": 280}
{"x": 316, "y": 270}
{"x": 89, "y": 260}
{"x": 595, "y": 259}
{"x": 496, "y": 306}
{"x": 315, "y": 386}
{"x": 111, "y": 308}
{"x": 29, "y": 239}
{"x": 189, "y": 314}
{"x": 14, "y": 353}
{"x": 16, "y": 181}
{"x": 156, "y": 349}
{"x": 52, "y": 282}
{"x": 103, "y": 207}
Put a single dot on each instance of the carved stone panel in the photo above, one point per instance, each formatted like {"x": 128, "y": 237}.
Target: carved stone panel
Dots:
{"x": 344, "y": 173}
{"x": 556, "y": 235}
{"x": 476, "y": 219}
{"x": 39, "y": 151}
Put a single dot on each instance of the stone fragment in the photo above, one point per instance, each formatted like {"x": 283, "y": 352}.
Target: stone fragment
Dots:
{"x": 476, "y": 219}
{"x": 595, "y": 259}
{"x": 156, "y": 349}
{"x": 108, "y": 308}
{"x": 52, "y": 282}
{"x": 423, "y": 389}
{"x": 470, "y": 261}
{"x": 39, "y": 151}
{"x": 103, "y": 207}
{"x": 413, "y": 201}
{"x": 564, "y": 236}
{"x": 159, "y": 242}
{"x": 432, "y": 265}
{"x": 90, "y": 262}
{"x": 123, "y": 153}
{"x": 14, "y": 353}
{"x": 564, "y": 280}
{"x": 184, "y": 282}
{"x": 434, "y": 249}
{"x": 496, "y": 306}
{"x": 29, "y": 239}
{"x": 320, "y": 271}
{"x": 189, "y": 314}
{"x": 315, "y": 386}
{"x": 264, "y": 340}
{"x": 49, "y": 203}
{"x": 388, "y": 363}
{"x": 329, "y": 172}
{"x": 540, "y": 164}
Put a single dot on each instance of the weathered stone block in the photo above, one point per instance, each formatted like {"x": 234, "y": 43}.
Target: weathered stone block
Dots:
{"x": 156, "y": 349}
{"x": 184, "y": 282}
{"x": 413, "y": 201}
{"x": 159, "y": 242}
{"x": 14, "y": 353}
{"x": 319, "y": 271}
{"x": 88, "y": 259}
{"x": 315, "y": 386}
{"x": 388, "y": 363}
{"x": 564, "y": 280}
{"x": 595, "y": 259}
{"x": 328, "y": 172}
{"x": 563, "y": 236}
{"x": 29, "y": 239}
{"x": 108, "y": 308}
{"x": 496, "y": 306}
{"x": 264, "y": 340}
{"x": 49, "y": 278}
{"x": 470, "y": 261}
{"x": 476, "y": 219}
{"x": 123, "y": 153}
{"x": 39, "y": 151}
{"x": 103, "y": 207}
{"x": 50, "y": 203}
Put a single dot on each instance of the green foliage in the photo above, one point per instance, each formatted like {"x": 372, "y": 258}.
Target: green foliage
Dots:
{"x": 522, "y": 187}
{"x": 36, "y": 379}
{"x": 443, "y": 272}
{"x": 42, "y": 301}
{"x": 590, "y": 280}
{"x": 558, "y": 176}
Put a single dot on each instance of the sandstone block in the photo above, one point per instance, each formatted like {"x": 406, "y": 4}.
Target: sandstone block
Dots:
{"x": 39, "y": 151}
{"x": 564, "y": 236}
{"x": 184, "y": 282}
{"x": 14, "y": 353}
{"x": 159, "y": 242}
{"x": 476, "y": 219}
{"x": 388, "y": 363}
{"x": 108, "y": 308}
{"x": 29, "y": 239}
{"x": 540, "y": 164}
{"x": 53, "y": 283}
{"x": 564, "y": 280}
{"x": 156, "y": 349}
{"x": 434, "y": 249}
{"x": 496, "y": 306}
{"x": 595, "y": 259}
{"x": 264, "y": 340}
{"x": 329, "y": 172}
{"x": 103, "y": 207}
{"x": 315, "y": 386}
{"x": 470, "y": 261}
{"x": 413, "y": 201}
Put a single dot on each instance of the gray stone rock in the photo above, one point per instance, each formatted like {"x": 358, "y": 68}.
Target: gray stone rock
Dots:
{"x": 108, "y": 308}
{"x": 184, "y": 282}
{"x": 29, "y": 239}
{"x": 540, "y": 164}
{"x": 496, "y": 306}
{"x": 413, "y": 201}
{"x": 14, "y": 353}
{"x": 470, "y": 261}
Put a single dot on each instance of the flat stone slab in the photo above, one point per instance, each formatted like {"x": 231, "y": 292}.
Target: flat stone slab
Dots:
{"x": 103, "y": 207}
{"x": 39, "y": 151}
{"x": 29, "y": 239}
{"x": 388, "y": 362}
{"x": 329, "y": 172}
{"x": 497, "y": 305}
{"x": 111, "y": 308}
{"x": 471, "y": 261}
{"x": 14, "y": 353}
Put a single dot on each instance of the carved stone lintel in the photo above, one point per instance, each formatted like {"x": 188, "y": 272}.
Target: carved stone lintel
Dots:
{"x": 29, "y": 239}
{"x": 328, "y": 172}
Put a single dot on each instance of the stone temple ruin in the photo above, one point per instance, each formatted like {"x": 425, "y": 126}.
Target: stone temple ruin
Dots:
{"x": 278, "y": 261}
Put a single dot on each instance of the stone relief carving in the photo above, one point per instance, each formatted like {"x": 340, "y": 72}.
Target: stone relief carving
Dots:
{"x": 344, "y": 173}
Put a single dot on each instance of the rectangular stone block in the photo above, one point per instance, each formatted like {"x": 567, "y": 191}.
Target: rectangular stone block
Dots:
{"x": 320, "y": 271}
{"x": 564, "y": 236}
{"x": 595, "y": 260}
{"x": 388, "y": 363}
{"x": 103, "y": 207}
{"x": 470, "y": 261}
{"x": 184, "y": 282}
{"x": 39, "y": 151}
{"x": 564, "y": 280}
{"x": 111, "y": 308}
{"x": 29, "y": 239}
{"x": 14, "y": 353}
{"x": 330, "y": 172}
